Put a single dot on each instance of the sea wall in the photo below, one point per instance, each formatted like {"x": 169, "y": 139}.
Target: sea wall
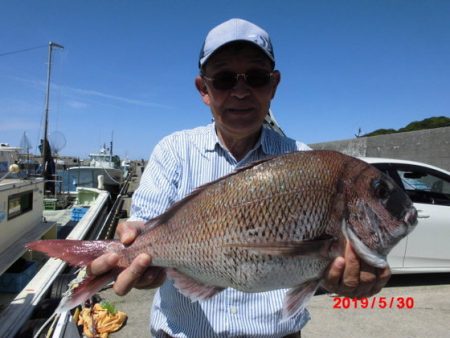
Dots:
{"x": 431, "y": 146}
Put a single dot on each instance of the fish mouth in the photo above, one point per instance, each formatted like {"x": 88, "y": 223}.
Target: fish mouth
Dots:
{"x": 368, "y": 255}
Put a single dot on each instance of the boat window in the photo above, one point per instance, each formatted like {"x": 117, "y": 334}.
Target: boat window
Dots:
{"x": 3, "y": 167}
{"x": 20, "y": 203}
{"x": 82, "y": 178}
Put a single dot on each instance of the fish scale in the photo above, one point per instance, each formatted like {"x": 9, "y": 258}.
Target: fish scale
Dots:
{"x": 275, "y": 224}
{"x": 241, "y": 207}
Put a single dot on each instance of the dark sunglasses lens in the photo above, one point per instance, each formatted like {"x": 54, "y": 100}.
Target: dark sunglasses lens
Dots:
{"x": 224, "y": 81}
{"x": 257, "y": 78}
{"x": 254, "y": 78}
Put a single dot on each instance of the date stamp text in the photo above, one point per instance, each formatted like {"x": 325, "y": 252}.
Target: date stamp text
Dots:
{"x": 373, "y": 303}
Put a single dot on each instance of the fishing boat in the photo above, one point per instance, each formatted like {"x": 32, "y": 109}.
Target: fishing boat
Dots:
{"x": 26, "y": 279}
{"x": 21, "y": 207}
{"x": 103, "y": 172}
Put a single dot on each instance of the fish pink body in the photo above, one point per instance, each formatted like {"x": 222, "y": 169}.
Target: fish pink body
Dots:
{"x": 275, "y": 224}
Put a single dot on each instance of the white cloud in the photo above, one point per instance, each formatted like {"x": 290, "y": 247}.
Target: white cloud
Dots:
{"x": 114, "y": 97}
{"x": 18, "y": 125}
{"x": 77, "y": 104}
{"x": 78, "y": 93}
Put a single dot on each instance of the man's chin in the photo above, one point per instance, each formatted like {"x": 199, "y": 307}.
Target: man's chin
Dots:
{"x": 246, "y": 121}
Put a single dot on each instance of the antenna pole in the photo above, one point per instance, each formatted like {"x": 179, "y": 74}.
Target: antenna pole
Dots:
{"x": 51, "y": 45}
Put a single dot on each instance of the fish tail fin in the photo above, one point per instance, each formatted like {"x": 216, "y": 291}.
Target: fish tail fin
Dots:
{"x": 75, "y": 252}
{"x": 79, "y": 253}
{"x": 88, "y": 287}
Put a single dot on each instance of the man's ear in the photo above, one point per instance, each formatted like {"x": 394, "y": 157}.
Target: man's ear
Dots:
{"x": 201, "y": 86}
{"x": 202, "y": 89}
{"x": 275, "y": 81}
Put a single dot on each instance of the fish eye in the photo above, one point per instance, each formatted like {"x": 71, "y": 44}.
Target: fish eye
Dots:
{"x": 381, "y": 189}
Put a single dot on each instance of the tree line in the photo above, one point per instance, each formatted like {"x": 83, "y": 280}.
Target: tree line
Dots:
{"x": 428, "y": 123}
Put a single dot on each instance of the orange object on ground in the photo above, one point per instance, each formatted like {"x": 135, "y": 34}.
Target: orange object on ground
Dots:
{"x": 98, "y": 322}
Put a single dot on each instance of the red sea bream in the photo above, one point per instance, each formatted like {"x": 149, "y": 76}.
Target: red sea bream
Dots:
{"x": 277, "y": 223}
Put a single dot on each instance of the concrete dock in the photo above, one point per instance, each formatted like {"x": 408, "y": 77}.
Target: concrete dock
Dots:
{"x": 420, "y": 308}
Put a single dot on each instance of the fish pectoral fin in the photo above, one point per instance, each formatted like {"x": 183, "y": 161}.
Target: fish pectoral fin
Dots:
{"x": 297, "y": 298}
{"x": 191, "y": 288}
{"x": 313, "y": 248}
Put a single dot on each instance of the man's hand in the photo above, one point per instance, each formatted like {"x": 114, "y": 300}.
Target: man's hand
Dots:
{"x": 349, "y": 276}
{"x": 139, "y": 274}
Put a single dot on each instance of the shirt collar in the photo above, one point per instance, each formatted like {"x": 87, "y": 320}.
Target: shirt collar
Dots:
{"x": 213, "y": 141}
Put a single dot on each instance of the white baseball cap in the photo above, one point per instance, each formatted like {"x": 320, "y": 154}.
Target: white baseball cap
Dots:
{"x": 235, "y": 30}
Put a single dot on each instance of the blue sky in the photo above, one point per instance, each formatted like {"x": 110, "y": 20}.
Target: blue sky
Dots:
{"x": 128, "y": 67}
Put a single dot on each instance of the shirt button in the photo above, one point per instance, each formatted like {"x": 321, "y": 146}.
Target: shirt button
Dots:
{"x": 233, "y": 310}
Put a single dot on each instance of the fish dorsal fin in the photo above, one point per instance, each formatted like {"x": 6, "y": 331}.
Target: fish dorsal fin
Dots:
{"x": 313, "y": 248}
{"x": 166, "y": 215}
{"x": 192, "y": 288}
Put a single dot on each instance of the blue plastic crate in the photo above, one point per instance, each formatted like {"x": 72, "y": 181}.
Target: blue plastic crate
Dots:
{"x": 13, "y": 282}
{"x": 78, "y": 213}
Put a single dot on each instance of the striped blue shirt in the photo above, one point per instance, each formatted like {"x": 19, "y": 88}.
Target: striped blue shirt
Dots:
{"x": 179, "y": 163}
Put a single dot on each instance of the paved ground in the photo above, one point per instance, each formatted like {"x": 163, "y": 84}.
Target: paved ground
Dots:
{"x": 137, "y": 306}
{"x": 429, "y": 317}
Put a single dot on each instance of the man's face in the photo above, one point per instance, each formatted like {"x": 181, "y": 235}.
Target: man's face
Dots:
{"x": 239, "y": 112}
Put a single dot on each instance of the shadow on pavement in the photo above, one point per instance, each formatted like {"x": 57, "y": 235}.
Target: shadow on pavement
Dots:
{"x": 419, "y": 279}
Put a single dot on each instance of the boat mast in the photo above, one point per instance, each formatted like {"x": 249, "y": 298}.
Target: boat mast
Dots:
{"x": 111, "y": 147}
{"x": 51, "y": 45}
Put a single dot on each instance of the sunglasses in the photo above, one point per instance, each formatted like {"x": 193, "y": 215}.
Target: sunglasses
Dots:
{"x": 226, "y": 80}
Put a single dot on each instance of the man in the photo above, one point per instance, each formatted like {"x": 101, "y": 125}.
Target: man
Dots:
{"x": 237, "y": 81}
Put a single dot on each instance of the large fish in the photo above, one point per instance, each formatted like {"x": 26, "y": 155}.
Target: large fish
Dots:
{"x": 277, "y": 223}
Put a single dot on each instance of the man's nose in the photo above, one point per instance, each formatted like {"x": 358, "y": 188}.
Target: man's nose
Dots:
{"x": 241, "y": 88}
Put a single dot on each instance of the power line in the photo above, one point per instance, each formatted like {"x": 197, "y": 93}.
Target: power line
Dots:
{"x": 22, "y": 50}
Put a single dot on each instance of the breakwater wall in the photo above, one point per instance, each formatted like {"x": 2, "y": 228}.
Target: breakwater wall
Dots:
{"x": 431, "y": 146}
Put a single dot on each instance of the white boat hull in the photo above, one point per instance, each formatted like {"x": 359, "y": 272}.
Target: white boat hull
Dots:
{"x": 89, "y": 177}
{"x": 21, "y": 207}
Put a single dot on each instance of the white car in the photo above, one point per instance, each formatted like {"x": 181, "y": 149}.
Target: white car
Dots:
{"x": 427, "y": 248}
